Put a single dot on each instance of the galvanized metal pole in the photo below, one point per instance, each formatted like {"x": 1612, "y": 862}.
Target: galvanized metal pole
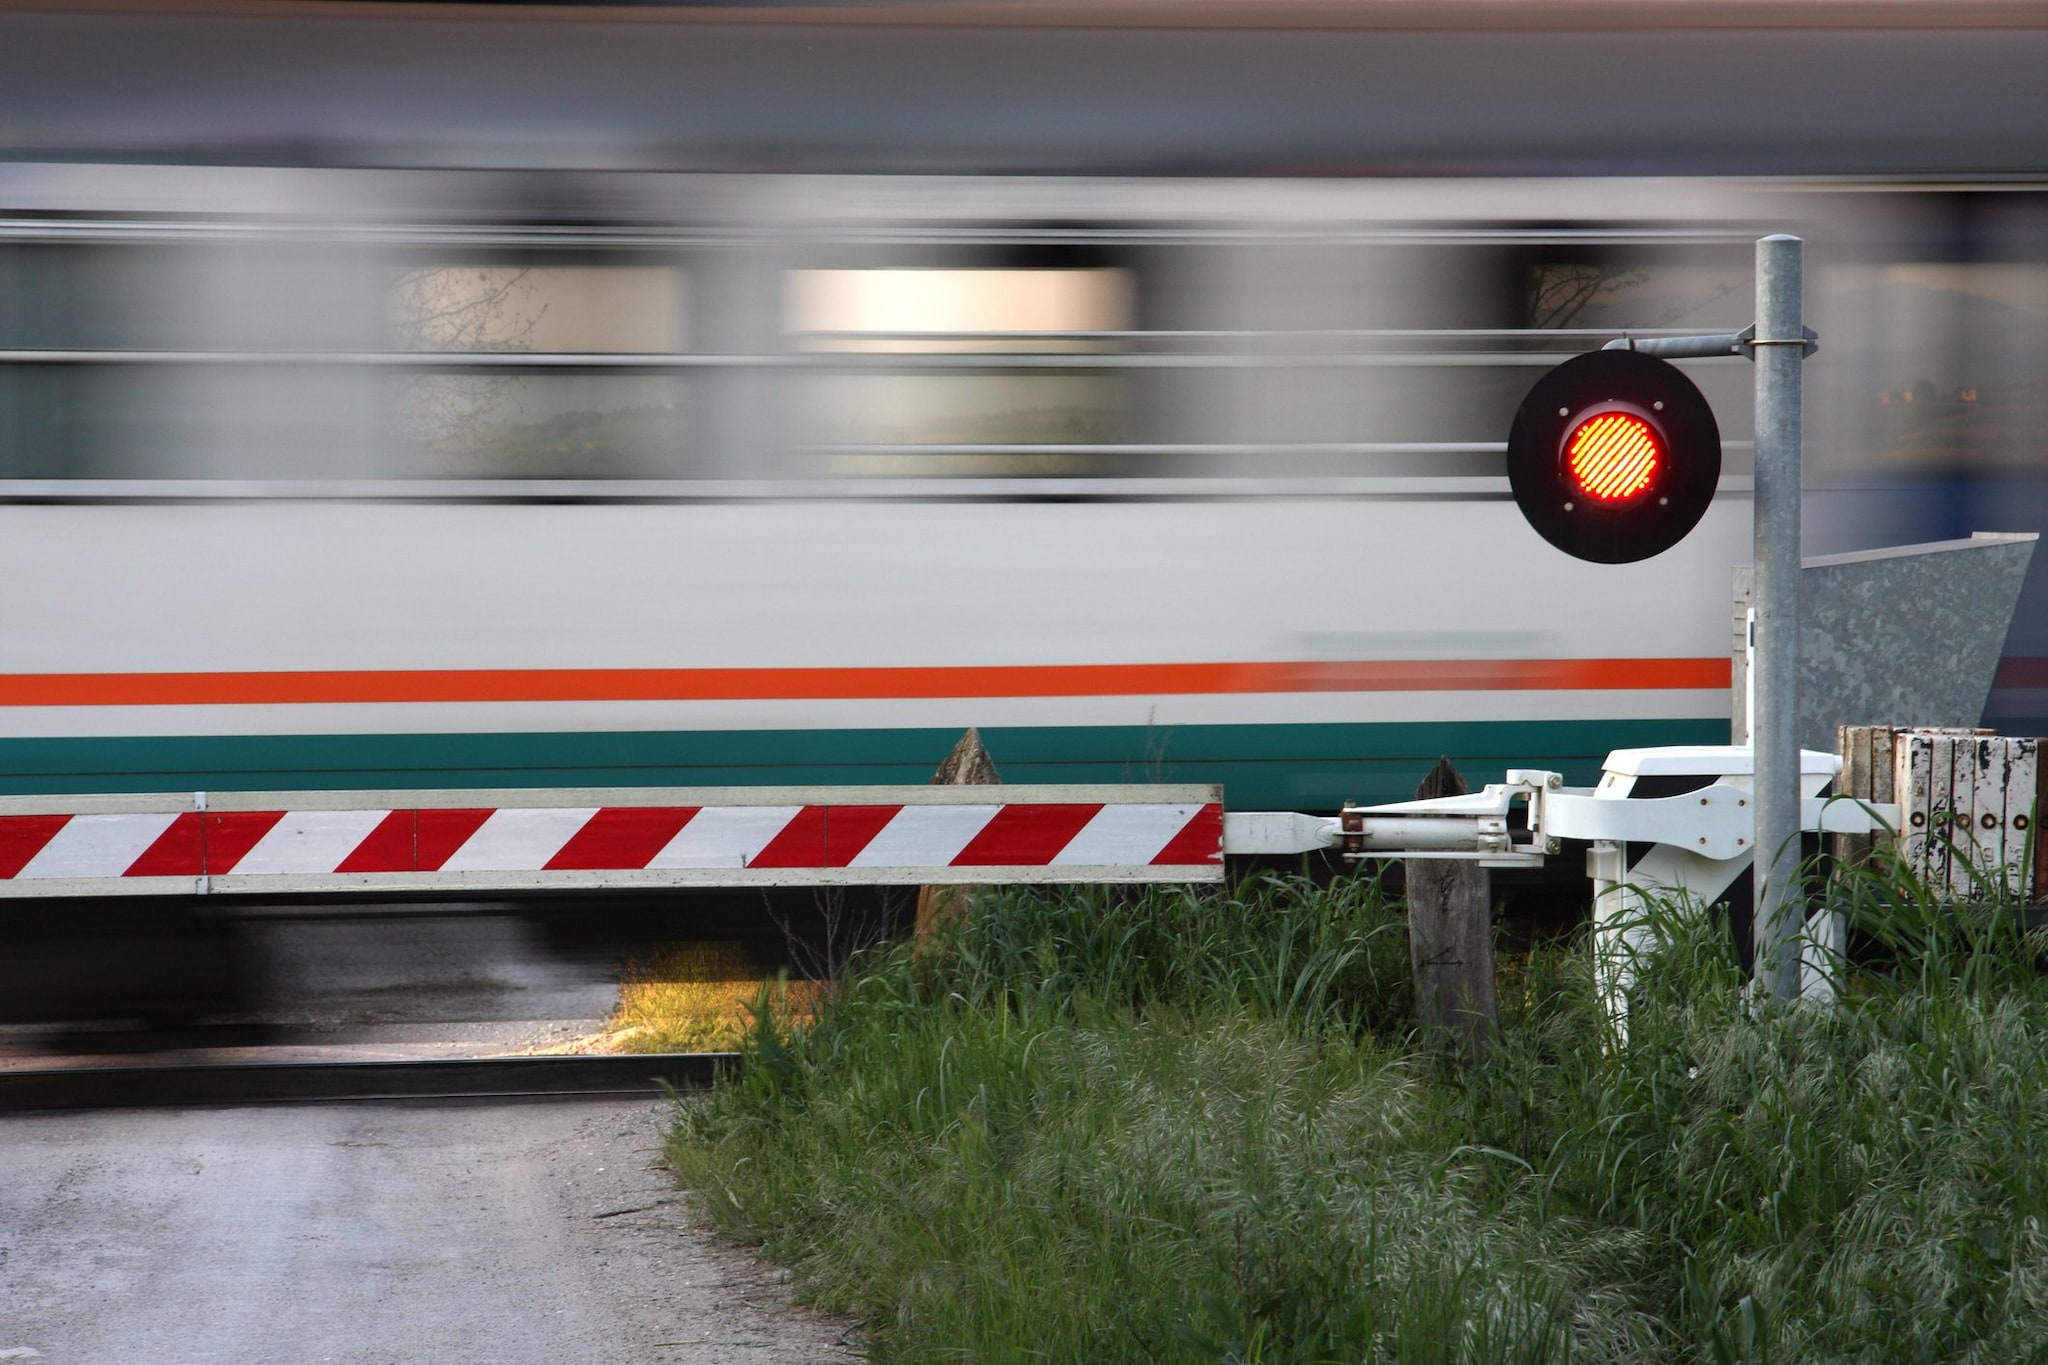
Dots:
{"x": 1780, "y": 355}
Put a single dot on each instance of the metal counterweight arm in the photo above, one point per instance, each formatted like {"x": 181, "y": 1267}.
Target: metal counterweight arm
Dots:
{"x": 1715, "y": 822}
{"x": 1476, "y": 826}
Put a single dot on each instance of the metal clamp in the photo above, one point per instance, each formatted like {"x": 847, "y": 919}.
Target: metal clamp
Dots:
{"x": 1351, "y": 829}
{"x": 1746, "y": 340}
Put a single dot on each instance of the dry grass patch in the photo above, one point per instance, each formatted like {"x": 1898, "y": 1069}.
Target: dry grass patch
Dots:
{"x": 701, "y": 997}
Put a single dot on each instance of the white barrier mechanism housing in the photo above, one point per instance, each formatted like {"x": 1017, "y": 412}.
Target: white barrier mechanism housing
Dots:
{"x": 1697, "y": 842}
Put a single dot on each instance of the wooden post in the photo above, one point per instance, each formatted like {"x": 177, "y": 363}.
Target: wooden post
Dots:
{"x": 1871, "y": 766}
{"x": 967, "y": 766}
{"x": 1450, "y": 936}
{"x": 2040, "y": 891}
{"x": 1866, "y": 752}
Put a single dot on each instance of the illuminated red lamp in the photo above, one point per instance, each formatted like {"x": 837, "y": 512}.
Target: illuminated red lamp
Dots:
{"x": 1614, "y": 456}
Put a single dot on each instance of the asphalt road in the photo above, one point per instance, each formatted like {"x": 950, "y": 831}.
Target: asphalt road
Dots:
{"x": 537, "y": 1232}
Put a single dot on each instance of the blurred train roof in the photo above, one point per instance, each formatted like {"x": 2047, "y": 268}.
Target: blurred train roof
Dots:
{"x": 1228, "y": 14}
{"x": 1144, "y": 87}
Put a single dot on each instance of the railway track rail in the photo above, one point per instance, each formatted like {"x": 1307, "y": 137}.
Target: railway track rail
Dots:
{"x": 186, "y": 1085}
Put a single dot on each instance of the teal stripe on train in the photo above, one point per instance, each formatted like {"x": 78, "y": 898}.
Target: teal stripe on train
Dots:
{"x": 1261, "y": 767}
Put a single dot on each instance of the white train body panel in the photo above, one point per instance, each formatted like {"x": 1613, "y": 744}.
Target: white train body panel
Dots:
{"x": 1199, "y": 480}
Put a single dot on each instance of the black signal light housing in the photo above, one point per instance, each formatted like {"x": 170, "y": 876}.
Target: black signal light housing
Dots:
{"x": 1614, "y": 456}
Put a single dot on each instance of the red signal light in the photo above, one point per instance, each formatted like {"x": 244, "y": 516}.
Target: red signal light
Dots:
{"x": 1613, "y": 456}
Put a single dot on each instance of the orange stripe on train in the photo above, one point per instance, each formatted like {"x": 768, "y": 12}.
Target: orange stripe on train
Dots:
{"x": 854, "y": 684}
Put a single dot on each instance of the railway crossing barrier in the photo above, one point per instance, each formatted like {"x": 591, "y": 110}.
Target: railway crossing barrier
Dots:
{"x": 1673, "y": 821}
{"x": 568, "y": 839}
{"x": 229, "y": 843}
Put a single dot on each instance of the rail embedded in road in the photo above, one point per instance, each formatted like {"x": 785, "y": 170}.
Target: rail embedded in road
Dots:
{"x": 184, "y": 1085}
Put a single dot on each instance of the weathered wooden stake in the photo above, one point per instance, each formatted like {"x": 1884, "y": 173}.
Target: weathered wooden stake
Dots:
{"x": 1867, "y": 762}
{"x": 1450, "y": 935}
{"x": 967, "y": 766}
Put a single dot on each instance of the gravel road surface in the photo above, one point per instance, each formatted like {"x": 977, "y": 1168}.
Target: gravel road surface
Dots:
{"x": 538, "y": 1232}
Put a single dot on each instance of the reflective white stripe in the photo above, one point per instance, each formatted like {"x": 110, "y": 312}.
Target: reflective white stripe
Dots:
{"x": 518, "y": 839}
{"x": 309, "y": 841}
{"x": 925, "y": 836}
{"x": 725, "y": 836}
{"x": 97, "y": 845}
{"x": 1125, "y": 834}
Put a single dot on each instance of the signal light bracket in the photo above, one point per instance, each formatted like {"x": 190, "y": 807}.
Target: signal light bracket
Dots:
{"x": 1742, "y": 343}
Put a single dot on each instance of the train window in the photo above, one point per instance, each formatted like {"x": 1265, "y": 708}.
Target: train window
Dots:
{"x": 564, "y": 412}
{"x": 979, "y": 389}
{"x": 609, "y": 308}
{"x": 271, "y": 361}
{"x": 1625, "y": 291}
{"x": 1939, "y": 363}
{"x": 188, "y": 360}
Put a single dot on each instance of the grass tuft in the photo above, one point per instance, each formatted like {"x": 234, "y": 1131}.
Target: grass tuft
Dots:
{"x": 1195, "y": 1126}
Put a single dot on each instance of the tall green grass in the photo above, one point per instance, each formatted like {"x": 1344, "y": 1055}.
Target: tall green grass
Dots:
{"x": 1195, "y": 1126}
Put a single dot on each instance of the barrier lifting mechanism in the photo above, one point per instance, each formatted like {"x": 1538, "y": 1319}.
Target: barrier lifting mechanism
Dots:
{"x": 1694, "y": 844}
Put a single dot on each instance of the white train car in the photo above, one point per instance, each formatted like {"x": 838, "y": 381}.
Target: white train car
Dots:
{"x": 330, "y": 478}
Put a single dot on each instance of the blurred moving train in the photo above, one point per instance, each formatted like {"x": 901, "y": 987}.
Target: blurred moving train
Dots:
{"x": 750, "y": 394}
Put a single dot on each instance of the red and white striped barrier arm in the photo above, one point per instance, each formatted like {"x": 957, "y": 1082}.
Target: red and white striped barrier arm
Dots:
{"x": 562, "y": 839}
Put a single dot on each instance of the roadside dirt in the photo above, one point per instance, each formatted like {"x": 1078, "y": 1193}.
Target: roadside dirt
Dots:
{"x": 371, "y": 1234}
